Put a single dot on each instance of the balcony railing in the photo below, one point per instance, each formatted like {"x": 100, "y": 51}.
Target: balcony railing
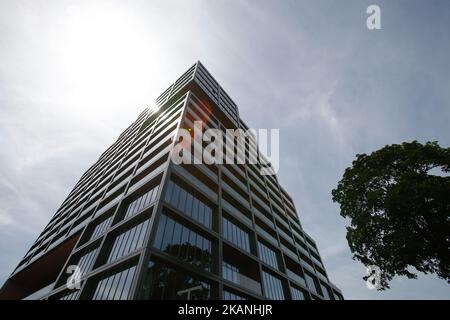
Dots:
{"x": 230, "y": 273}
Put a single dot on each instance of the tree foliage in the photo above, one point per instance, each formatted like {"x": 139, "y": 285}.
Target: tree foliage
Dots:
{"x": 399, "y": 211}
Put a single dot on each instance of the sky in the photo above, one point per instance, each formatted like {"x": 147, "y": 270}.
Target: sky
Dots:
{"x": 75, "y": 74}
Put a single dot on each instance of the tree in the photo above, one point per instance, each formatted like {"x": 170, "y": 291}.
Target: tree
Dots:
{"x": 399, "y": 211}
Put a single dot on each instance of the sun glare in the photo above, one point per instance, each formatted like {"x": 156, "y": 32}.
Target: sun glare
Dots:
{"x": 107, "y": 54}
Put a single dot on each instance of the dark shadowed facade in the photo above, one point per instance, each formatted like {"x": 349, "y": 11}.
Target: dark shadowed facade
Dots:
{"x": 140, "y": 227}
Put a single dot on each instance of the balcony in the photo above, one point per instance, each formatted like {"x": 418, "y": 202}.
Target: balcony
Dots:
{"x": 294, "y": 276}
{"x": 240, "y": 269}
{"x": 231, "y": 273}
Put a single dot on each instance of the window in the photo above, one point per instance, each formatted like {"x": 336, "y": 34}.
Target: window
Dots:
{"x": 101, "y": 227}
{"x": 169, "y": 283}
{"x": 233, "y": 233}
{"x": 116, "y": 286}
{"x": 227, "y": 295}
{"x": 70, "y": 295}
{"x": 188, "y": 204}
{"x": 337, "y": 296}
{"x": 312, "y": 284}
{"x": 297, "y": 294}
{"x": 174, "y": 238}
{"x": 128, "y": 241}
{"x": 240, "y": 277}
{"x": 86, "y": 261}
{"x": 268, "y": 255}
{"x": 273, "y": 286}
{"x": 294, "y": 271}
{"x": 230, "y": 272}
{"x": 325, "y": 292}
{"x": 142, "y": 202}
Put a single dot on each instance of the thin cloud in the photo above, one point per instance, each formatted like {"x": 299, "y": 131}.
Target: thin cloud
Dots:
{"x": 310, "y": 68}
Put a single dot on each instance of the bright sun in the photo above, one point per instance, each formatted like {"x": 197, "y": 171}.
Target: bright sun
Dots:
{"x": 107, "y": 54}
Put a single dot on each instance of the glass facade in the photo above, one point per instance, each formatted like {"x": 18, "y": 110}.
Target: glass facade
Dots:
{"x": 297, "y": 294}
{"x": 116, "y": 286}
{"x": 165, "y": 282}
{"x": 273, "y": 286}
{"x": 188, "y": 204}
{"x": 187, "y": 245}
{"x": 70, "y": 295}
{"x": 227, "y": 295}
{"x": 312, "y": 284}
{"x": 268, "y": 255}
{"x": 86, "y": 262}
{"x": 101, "y": 228}
{"x": 230, "y": 272}
{"x": 142, "y": 202}
{"x": 128, "y": 241}
{"x": 210, "y": 234}
{"x": 325, "y": 293}
{"x": 233, "y": 233}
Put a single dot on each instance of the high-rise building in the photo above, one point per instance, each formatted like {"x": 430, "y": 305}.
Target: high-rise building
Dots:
{"x": 138, "y": 226}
